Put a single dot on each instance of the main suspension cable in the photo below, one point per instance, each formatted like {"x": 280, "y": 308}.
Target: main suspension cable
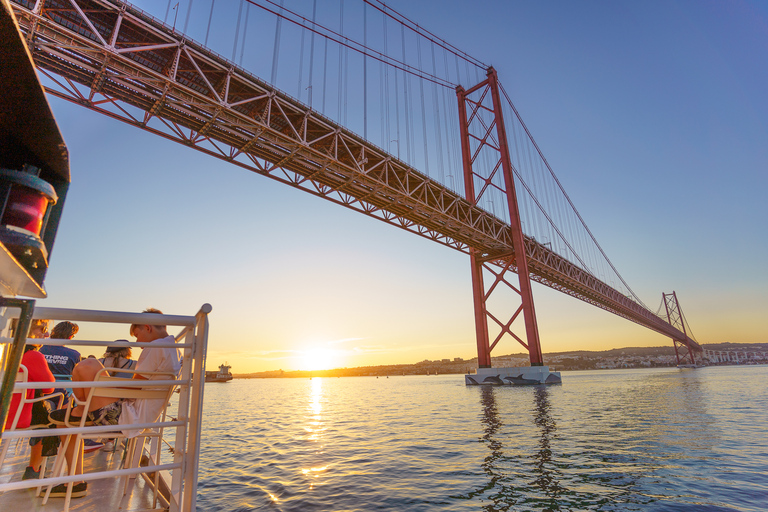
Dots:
{"x": 565, "y": 194}
{"x": 364, "y": 50}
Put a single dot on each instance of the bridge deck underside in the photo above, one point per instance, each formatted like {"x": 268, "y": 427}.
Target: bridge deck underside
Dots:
{"x": 117, "y": 60}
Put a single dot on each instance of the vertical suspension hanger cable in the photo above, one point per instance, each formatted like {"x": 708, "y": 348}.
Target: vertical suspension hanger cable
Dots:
{"x": 312, "y": 54}
{"x": 237, "y": 30}
{"x": 468, "y": 71}
{"x": 325, "y": 73}
{"x": 245, "y": 34}
{"x": 423, "y": 113}
{"x": 397, "y": 113}
{"x": 406, "y": 99}
{"x": 383, "y": 137}
{"x": 167, "y": 11}
{"x": 210, "y": 17}
{"x": 549, "y": 200}
{"x": 458, "y": 159}
{"x": 301, "y": 59}
{"x": 450, "y": 122}
{"x": 385, "y": 77}
{"x": 340, "y": 87}
{"x": 346, "y": 83}
{"x": 365, "y": 72}
{"x": 383, "y": 106}
{"x": 438, "y": 122}
{"x": 528, "y": 202}
{"x": 189, "y": 11}
{"x": 276, "y": 47}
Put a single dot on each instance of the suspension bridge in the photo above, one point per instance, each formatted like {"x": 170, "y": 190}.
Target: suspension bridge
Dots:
{"x": 388, "y": 119}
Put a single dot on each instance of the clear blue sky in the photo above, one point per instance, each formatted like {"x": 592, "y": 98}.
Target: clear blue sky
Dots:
{"x": 653, "y": 115}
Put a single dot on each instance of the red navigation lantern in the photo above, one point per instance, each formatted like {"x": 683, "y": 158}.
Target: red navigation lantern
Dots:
{"x": 24, "y": 212}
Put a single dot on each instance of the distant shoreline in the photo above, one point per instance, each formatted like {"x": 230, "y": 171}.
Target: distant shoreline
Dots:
{"x": 614, "y": 359}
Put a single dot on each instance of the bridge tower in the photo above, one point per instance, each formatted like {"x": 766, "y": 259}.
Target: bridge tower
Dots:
{"x": 484, "y": 140}
{"x": 676, "y": 319}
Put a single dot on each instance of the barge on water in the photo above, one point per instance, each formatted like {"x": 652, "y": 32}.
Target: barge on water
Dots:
{"x": 223, "y": 375}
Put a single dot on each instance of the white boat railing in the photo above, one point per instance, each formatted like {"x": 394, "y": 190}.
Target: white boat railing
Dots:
{"x": 192, "y": 341}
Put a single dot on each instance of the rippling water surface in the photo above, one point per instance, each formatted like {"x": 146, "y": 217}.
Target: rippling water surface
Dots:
{"x": 650, "y": 440}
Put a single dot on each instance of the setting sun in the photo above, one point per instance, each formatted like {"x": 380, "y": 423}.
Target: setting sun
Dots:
{"x": 321, "y": 359}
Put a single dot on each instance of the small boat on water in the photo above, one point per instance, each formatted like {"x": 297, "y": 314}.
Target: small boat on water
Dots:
{"x": 223, "y": 375}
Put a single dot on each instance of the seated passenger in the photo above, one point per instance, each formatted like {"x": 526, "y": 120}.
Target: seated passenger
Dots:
{"x": 62, "y": 360}
{"x": 119, "y": 357}
{"x": 37, "y": 371}
{"x": 116, "y": 357}
{"x": 111, "y": 411}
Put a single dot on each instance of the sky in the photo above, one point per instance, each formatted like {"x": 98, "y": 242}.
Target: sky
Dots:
{"x": 652, "y": 114}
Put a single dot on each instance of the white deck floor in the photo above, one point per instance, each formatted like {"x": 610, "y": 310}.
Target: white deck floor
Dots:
{"x": 104, "y": 495}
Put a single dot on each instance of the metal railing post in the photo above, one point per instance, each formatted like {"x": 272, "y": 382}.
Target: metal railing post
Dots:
{"x": 13, "y": 360}
{"x": 196, "y": 419}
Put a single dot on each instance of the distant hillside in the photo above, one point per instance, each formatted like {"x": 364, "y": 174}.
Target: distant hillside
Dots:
{"x": 572, "y": 360}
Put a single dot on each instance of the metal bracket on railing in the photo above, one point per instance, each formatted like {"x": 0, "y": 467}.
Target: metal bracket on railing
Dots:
{"x": 13, "y": 360}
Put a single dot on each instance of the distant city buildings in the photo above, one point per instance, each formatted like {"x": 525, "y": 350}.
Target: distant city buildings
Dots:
{"x": 735, "y": 356}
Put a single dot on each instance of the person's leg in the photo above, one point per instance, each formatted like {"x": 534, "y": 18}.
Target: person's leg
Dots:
{"x": 110, "y": 415}
{"x": 36, "y": 456}
{"x": 84, "y": 371}
{"x": 73, "y": 454}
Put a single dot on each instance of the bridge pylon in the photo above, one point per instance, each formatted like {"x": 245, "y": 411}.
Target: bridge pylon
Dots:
{"x": 488, "y": 167}
{"x": 683, "y": 350}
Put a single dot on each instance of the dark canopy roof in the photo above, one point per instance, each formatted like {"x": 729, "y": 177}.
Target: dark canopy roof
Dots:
{"x": 28, "y": 130}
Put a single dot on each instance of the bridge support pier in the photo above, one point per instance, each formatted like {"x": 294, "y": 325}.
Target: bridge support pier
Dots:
{"x": 519, "y": 376}
{"x": 488, "y": 168}
{"x": 683, "y": 348}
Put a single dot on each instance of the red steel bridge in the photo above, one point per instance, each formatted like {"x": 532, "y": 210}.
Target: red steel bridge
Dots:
{"x": 508, "y": 213}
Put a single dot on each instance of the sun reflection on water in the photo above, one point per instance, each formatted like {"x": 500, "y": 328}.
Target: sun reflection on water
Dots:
{"x": 315, "y": 428}
{"x": 316, "y": 394}
{"x": 308, "y": 471}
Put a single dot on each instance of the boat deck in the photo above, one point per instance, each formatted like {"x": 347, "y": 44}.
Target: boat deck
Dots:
{"x": 180, "y": 425}
{"x": 103, "y": 495}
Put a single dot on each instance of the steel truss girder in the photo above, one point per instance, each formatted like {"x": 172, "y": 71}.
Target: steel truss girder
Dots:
{"x": 196, "y": 97}
{"x": 550, "y": 269}
{"x": 117, "y": 60}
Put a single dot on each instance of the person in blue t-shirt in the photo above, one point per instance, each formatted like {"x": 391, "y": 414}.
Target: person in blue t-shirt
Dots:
{"x": 61, "y": 360}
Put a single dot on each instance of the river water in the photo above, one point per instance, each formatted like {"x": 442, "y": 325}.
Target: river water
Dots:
{"x": 623, "y": 440}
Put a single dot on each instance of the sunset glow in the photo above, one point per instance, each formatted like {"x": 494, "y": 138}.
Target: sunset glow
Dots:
{"x": 321, "y": 359}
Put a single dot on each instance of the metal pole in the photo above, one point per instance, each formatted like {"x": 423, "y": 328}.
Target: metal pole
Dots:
{"x": 27, "y": 307}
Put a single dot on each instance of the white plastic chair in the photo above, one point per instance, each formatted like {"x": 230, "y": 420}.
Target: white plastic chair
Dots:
{"x": 132, "y": 458}
{"x": 22, "y": 376}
